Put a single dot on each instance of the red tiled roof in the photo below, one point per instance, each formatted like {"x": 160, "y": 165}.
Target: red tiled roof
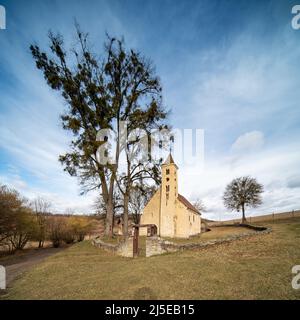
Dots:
{"x": 186, "y": 202}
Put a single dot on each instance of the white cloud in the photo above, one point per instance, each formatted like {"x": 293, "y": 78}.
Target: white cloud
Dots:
{"x": 66, "y": 196}
{"x": 271, "y": 167}
{"x": 249, "y": 141}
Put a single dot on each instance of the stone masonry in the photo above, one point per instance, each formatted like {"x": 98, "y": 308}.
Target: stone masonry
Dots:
{"x": 123, "y": 248}
{"x": 156, "y": 246}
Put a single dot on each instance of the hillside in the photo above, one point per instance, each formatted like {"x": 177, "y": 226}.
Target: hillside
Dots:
{"x": 261, "y": 218}
{"x": 256, "y": 268}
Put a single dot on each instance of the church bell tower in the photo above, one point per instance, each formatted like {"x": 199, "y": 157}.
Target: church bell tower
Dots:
{"x": 169, "y": 194}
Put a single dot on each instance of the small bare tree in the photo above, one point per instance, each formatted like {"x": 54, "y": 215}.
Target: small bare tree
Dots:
{"x": 199, "y": 205}
{"x": 139, "y": 196}
{"x": 57, "y": 230}
{"x": 24, "y": 229}
{"x": 10, "y": 202}
{"x": 17, "y": 225}
{"x": 41, "y": 209}
{"x": 241, "y": 193}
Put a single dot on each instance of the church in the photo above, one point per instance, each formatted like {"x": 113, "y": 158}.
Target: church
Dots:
{"x": 173, "y": 215}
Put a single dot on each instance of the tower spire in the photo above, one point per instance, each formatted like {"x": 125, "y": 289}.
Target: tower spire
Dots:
{"x": 170, "y": 159}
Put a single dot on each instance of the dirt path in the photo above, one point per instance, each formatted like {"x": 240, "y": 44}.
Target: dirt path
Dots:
{"x": 16, "y": 264}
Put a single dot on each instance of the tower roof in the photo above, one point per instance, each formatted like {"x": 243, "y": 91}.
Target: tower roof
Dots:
{"x": 169, "y": 160}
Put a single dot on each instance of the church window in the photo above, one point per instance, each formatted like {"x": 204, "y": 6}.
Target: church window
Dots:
{"x": 168, "y": 179}
{"x": 193, "y": 218}
{"x": 168, "y": 171}
{"x": 167, "y": 188}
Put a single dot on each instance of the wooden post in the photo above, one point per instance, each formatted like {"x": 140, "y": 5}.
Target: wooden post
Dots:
{"x": 136, "y": 242}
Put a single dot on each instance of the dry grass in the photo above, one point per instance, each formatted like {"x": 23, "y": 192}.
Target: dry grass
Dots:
{"x": 215, "y": 233}
{"x": 114, "y": 240}
{"x": 255, "y": 268}
{"x": 266, "y": 218}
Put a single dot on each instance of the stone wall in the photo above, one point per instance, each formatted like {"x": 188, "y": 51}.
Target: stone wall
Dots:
{"x": 156, "y": 245}
{"x": 124, "y": 248}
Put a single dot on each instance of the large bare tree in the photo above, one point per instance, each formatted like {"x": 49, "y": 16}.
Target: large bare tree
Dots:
{"x": 100, "y": 93}
{"x": 241, "y": 193}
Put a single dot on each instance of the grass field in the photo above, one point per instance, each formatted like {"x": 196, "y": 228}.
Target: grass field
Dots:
{"x": 215, "y": 233}
{"x": 255, "y": 268}
{"x": 265, "y": 218}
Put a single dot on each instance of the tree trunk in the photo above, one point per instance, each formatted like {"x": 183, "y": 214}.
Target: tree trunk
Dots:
{"x": 125, "y": 218}
{"x": 244, "y": 217}
{"x": 108, "y": 196}
{"x": 109, "y": 217}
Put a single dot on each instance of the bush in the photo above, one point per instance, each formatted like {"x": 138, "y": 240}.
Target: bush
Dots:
{"x": 68, "y": 229}
{"x": 81, "y": 226}
{"x": 17, "y": 223}
{"x": 69, "y": 236}
{"x": 56, "y": 231}
{"x": 24, "y": 229}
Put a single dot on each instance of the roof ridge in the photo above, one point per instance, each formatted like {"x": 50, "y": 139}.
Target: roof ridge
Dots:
{"x": 186, "y": 202}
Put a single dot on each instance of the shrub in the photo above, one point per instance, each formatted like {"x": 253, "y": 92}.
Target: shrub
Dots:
{"x": 17, "y": 223}
{"x": 81, "y": 226}
{"x": 56, "y": 231}
{"x": 69, "y": 236}
{"x": 24, "y": 229}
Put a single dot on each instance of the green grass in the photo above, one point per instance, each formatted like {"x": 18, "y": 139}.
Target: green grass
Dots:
{"x": 254, "y": 268}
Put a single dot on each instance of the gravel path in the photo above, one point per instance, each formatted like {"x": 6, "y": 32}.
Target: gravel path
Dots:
{"x": 16, "y": 264}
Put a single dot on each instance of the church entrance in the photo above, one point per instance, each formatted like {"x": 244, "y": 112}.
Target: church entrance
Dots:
{"x": 139, "y": 243}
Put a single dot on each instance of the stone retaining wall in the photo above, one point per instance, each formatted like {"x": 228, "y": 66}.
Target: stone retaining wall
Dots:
{"x": 124, "y": 248}
{"x": 156, "y": 245}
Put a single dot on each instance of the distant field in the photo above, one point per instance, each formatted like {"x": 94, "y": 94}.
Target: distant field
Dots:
{"x": 263, "y": 218}
{"x": 255, "y": 268}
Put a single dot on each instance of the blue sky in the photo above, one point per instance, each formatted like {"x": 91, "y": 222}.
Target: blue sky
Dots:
{"x": 228, "y": 67}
